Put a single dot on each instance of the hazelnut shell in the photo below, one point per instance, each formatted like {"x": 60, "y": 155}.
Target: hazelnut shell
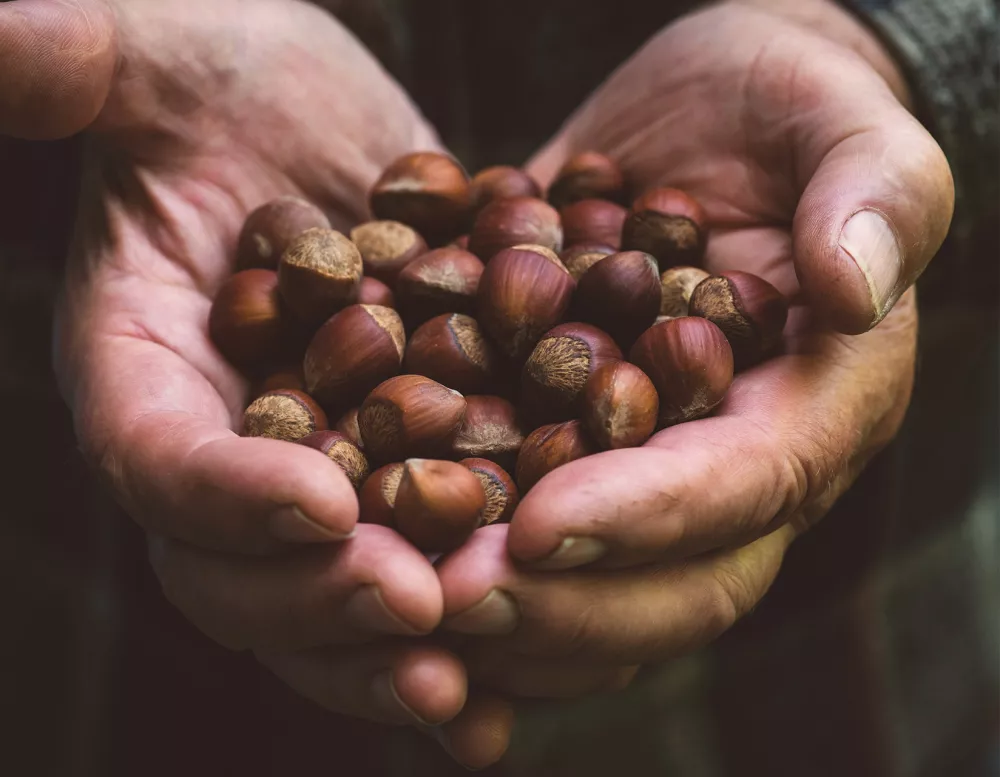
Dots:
{"x": 490, "y": 430}
{"x": 342, "y": 452}
{"x": 516, "y": 221}
{"x": 283, "y": 415}
{"x": 502, "y": 497}
{"x": 549, "y": 447}
{"x": 593, "y": 221}
{"x": 319, "y": 274}
{"x": 454, "y": 351}
{"x": 620, "y": 294}
{"x": 669, "y": 224}
{"x": 386, "y": 247}
{"x": 620, "y": 406}
{"x": 441, "y": 281}
{"x": 588, "y": 175}
{"x": 438, "y": 504}
{"x": 269, "y": 229}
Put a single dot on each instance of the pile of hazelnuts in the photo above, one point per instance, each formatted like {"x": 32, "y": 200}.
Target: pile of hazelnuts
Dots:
{"x": 476, "y": 331}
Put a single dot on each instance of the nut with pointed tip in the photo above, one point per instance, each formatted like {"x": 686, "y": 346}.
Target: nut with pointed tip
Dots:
{"x": 352, "y": 353}
{"x": 342, "y": 452}
{"x": 319, "y": 274}
{"x": 519, "y": 220}
{"x": 554, "y": 377}
{"x": 522, "y": 295}
{"x": 453, "y": 350}
{"x": 246, "y": 322}
{"x": 690, "y": 364}
{"x": 270, "y": 228}
{"x": 668, "y": 224}
{"x": 593, "y": 221}
{"x": 748, "y": 310}
{"x": 501, "y": 493}
{"x": 588, "y": 175}
{"x": 386, "y": 248}
{"x": 283, "y": 415}
{"x": 582, "y": 256}
{"x": 620, "y": 406}
{"x": 491, "y": 430}
{"x": 676, "y": 286}
{"x": 426, "y": 190}
{"x": 438, "y": 504}
{"x": 410, "y": 416}
{"x": 620, "y": 294}
{"x": 499, "y": 183}
{"x": 374, "y": 292}
{"x": 549, "y": 447}
{"x": 441, "y": 281}
{"x": 377, "y": 497}
{"x": 347, "y": 425}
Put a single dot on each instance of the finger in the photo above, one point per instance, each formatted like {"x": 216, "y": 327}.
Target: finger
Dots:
{"x": 632, "y": 616}
{"x": 397, "y": 684}
{"x": 375, "y": 583}
{"x": 790, "y": 437}
{"x": 57, "y": 60}
{"x": 480, "y": 734}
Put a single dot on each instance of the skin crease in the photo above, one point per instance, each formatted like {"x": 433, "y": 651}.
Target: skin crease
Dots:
{"x": 199, "y": 127}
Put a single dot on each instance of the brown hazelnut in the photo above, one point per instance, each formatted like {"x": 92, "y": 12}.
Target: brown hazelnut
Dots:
{"x": 347, "y": 425}
{"x": 501, "y": 182}
{"x": 246, "y": 322}
{"x": 588, "y": 175}
{"x": 559, "y": 367}
{"x": 352, "y": 353}
{"x": 462, "y": 241}
{"x": 442, "y": 281}
{"x": 549, "y": 447}
{"x": 319, "y": 274}
{"x": 270, "y": 228}
{"x": 620, "y": 294}
{"x": 689, "y": 362}
{"x": 283, "y": 415}
{"x": 426, "y": 190}
{"x": 408, "y": 416}
{"x": 668, "y": 224}
{"x": 386, "y": 248}
{"x": 288, "y": 378}
{"x": 501, "y": 493}
{"x": 438, "y": 504}
{"x": 581, "y": 257}
{"x": 519, "y": 220}
{"x": 453, "y": 350}
{"x": 377, "y": 498}
{"x": 491, "y": 430}
{"x": 593, "y": 221}
{"x": 522, "y": 295}
{"x": 374, "y": 292}
{"x": 748, "y": 310}
{"x": 676, "y": 285}
{"x": 620, "y": 406}
{"x": 342, "y": 452}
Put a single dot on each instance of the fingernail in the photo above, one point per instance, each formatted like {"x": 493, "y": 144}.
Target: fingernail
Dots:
{"x": 497, "y": 613}
{"x": 384, "y": 694}
{"x": 871, "y": 243}
{"x": 573, "y": 552}
{"x": 442, "y": 738}
{"x": 367, "y": 608}
{"x": 290, "y": 524}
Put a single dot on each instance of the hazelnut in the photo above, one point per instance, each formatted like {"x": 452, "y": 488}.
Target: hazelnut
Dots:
{"x": 593, "y": 221}
{"x": 270, "y": 228}
{"x": 668, "y": 224}
{"x": 491, "y": 430}
{"x": 588, "y": 175}
{"x": 347, "y": 425}
{"x": 501, "y": 182}
{"x": 342, "y": 452}
{"x": 352, "y": 353}
{"x": 581, "y": 257}
{"x": 559, "y": 367}
{"x": 620, "y": 406}
{"x": 441, "y": 281}
{"x": 522, "y": 294}
{"x": 386, "y": 248}
{"x": 377, "y": 498}
{"x": 283, "y": 415}
{"x": 749, "y": 311}
{"x": 501, "y": 493}
{"x": 620, "y": 294}
{"x": 689, "y": 362}
{"x": 438, "y": 504}
{"x": 288, "y": 378}
{"x": 374, "y": 292}
{"x": 453, "y": 350}
{"x": 246, "y": 322}
{"x": 519, "y": 220}
{"x": 549, "y": 447}
{"x": 410, "y": 415}
{"x": 462, "y": 241}
{"x": 319, "y": 274}
{"x": 426, "y": 190}
{"x": 676, "y": 285}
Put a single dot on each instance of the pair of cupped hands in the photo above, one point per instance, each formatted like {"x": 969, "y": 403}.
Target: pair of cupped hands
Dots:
{"x": 787, "y": 120}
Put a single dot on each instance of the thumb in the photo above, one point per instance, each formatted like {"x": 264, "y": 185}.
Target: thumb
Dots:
{"x": 56, "y": 63}
{"x": 877, "y": 202}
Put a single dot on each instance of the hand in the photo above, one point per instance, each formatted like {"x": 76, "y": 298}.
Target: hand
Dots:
{"x": 786, "y": 137}
{"x": 200, "y": 112}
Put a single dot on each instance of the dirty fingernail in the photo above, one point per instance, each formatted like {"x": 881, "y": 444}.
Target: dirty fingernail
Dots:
{"x": 870, "y": 241}
{"x": 290, "y": 524}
